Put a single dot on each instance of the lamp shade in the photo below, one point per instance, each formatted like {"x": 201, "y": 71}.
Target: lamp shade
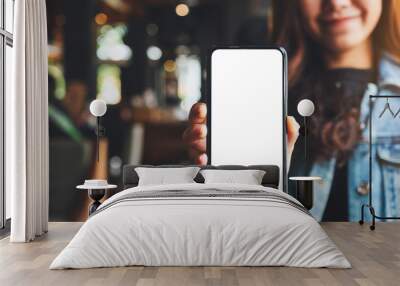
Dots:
{"x": 305, "y": 107}
{"x": 98, "y": 107}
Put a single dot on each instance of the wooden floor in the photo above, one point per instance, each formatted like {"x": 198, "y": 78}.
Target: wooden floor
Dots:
{"x": 375, "y": 257}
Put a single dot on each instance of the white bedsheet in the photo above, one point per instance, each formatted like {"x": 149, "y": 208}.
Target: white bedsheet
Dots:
{"x": 200, "y": 231}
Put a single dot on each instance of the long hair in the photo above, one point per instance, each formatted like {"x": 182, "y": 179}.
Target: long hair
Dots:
{"x": 340, "y": 133}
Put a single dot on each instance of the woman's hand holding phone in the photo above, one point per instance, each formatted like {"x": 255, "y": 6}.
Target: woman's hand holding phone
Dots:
{"x": 196, "y": 133}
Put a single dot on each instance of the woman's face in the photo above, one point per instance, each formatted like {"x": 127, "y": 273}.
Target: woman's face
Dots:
{"x": 340, "y": 25}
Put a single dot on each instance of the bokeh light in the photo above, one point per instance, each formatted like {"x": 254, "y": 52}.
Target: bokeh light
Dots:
{"x": 170, "y": 66}
{"x": 110, "y": 44}
{"x": 101, "y": 19}
{"x": 154, "y": 53}
{"x": 152, "y": 29}
{"x": 182, "y": 10}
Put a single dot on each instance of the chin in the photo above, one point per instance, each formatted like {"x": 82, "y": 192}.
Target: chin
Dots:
{"x": 343, "y": 43}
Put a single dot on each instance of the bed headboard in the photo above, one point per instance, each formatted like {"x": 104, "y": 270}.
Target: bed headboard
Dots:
{"x": 271, "y": 178}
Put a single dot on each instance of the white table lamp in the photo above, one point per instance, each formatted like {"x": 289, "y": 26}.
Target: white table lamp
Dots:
{"x": 98, "y": 108}
{"x": 305, "y": 108}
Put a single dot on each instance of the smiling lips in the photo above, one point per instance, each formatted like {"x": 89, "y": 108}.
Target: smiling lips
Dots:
{"x": 338, "y": 23}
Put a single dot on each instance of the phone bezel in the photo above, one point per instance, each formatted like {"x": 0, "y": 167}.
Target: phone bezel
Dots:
{"x": 208, "y": 101}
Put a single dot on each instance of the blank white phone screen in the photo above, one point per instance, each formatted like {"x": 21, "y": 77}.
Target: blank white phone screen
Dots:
{"x": 247, "y": 107}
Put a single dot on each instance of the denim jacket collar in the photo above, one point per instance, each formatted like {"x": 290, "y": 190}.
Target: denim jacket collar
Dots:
{"x": 388, "y": 72}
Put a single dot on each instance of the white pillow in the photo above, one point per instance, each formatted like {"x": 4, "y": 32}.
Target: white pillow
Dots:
{"x": 248, "y": 177}
{"x": 165, "y": 176}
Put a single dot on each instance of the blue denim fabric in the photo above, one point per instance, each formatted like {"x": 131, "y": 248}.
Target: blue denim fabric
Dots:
{"x": 385, "y": 154}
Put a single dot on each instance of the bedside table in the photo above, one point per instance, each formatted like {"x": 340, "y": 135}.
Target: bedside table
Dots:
{"x": 304, "y": 190}
{"x": 96, "y": 190}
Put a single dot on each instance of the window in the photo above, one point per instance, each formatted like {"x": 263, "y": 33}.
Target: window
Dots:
{"x": 6, "y": 63}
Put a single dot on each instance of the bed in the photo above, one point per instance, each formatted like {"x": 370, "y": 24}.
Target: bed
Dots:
{"x": 198, "y": 224}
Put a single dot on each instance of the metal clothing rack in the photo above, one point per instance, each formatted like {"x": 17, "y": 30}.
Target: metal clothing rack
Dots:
{"x": 370, "y": 205}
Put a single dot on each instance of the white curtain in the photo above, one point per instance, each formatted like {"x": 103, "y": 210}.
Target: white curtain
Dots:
{"x": 27, "y": 146}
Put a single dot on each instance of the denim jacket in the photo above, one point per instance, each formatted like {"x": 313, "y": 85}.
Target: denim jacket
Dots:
{"x": 385, "y": 153}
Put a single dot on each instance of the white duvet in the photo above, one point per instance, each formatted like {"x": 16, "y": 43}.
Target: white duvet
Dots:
{"x": 203, "y": 231}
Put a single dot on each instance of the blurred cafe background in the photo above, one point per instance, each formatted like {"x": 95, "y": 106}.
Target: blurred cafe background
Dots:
{"x": 147, "y": 60}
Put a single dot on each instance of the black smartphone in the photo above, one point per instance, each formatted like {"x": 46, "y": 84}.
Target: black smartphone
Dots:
{"x": 246, "y": 101}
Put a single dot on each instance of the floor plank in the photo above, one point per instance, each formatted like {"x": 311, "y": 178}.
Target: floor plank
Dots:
{"x": 375, "y": 257}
